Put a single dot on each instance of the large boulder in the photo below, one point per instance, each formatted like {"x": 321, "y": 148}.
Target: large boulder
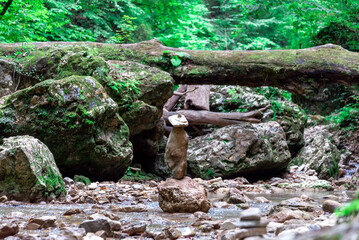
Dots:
{"x": 320, "y": 152}
{"x": 77, "y": 120}
{"x": 185, "y": 195}
{"x": 241, "y": 149}
{"x": 28, "y": 171}
{"x": 243, "y": 99}
{"x": 7, "y": 84}
{"x": 140, "y": 91}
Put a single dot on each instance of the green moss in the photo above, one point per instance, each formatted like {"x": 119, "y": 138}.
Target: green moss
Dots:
{"x": 135, "y": 174}
{"x": 53, "y": 183}
{"x": 83, "y": 179}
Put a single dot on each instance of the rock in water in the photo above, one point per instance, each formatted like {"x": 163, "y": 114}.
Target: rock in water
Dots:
{"x": 185, "y": 195}
{"x": 28, "y": 171}
{"x": 77, "y": 120}
{"x": 240, "y": 149}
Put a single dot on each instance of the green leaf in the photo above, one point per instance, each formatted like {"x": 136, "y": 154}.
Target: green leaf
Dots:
{"x": 176, "y": 61}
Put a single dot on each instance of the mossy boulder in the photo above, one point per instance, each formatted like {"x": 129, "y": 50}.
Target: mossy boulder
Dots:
{"x": 237, "y": 150}
{"x": 77, "y": 120}
{"x": 28, "y": 171}
{"x": 140, "y": 91}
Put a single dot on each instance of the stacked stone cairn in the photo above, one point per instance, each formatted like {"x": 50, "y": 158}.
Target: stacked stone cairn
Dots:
{"x": 250, "y": 224}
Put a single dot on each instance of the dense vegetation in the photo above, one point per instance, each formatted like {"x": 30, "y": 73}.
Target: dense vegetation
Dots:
{"x": 198, "y": 24}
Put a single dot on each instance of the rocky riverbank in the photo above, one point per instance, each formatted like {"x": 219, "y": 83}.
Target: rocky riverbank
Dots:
{"x": 279, "y": 208}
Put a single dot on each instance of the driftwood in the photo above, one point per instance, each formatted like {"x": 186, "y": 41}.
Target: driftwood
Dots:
{"x": 216, "y": 118}
{"x": 197, "y": 97}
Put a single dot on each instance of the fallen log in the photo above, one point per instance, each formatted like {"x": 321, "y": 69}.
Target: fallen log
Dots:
{"x": 300, "y": 71}
{"x": 216, "y": 118}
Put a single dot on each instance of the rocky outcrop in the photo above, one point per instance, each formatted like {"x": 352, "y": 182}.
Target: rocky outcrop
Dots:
{"x": 7, "y": 81}
{"x": 77, "y": 120}
{"x": 289, "y": 115}
{"x": 241, "y": 149}
{"x": 320, "y": 153}
{"x": 185, "y": 195}
{"x": 28, "y": 171}
{"x": 139, "y": 90}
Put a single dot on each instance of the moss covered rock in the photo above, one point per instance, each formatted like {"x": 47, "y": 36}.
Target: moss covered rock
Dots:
{"x": 140, "y": 91}
{"x": 28, "y": 171}
{"x": 242, "y": 149}
{"x": 77, "y": 120}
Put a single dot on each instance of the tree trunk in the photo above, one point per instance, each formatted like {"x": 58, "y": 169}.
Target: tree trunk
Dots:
{"x": 299, "y": 71}
{"x": 216, "y": 118}
{"x": 197, "y": 99}
{"x": 6, "y": 7}
{"x": 172, "y": 101}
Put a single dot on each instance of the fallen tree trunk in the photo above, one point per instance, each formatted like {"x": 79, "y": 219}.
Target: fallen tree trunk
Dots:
{"x": 299, "y": 71}
{"x": 216, "y": 118}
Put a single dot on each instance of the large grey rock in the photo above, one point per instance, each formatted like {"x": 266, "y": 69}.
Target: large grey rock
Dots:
{"x": 288, "y": 114}
{"x": 319, "y": 151}
{"x": 77, "y": 120}
{"x": 185, "y": 195}
{"x": 240, "y": 149}
{"x": 28, "y": 170}
{"x": 7, "y": 84}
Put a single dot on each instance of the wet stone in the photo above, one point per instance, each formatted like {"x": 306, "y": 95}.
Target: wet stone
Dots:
{"x": 93, "y": 226}
{"x": 330, "y": 205}
{"x": 8, "y": 229}
{"x": 73, "y": 211}
{"x": 251, "y": 214}
{"x": 135, "y": 229}
{"x": 45, "y": 221}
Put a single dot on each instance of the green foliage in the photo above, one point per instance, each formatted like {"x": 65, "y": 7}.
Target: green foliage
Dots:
{"x": 349, "y": 210}
{"x": 348, "y": 116}
{"x": 83, "y": 179}
{"x": 198, "y": 24}
{"x": 272, "y": 93}
{"x": 136, "y": 174}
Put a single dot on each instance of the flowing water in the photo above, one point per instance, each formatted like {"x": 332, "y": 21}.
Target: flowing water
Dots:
{"x": 154, "y": 217}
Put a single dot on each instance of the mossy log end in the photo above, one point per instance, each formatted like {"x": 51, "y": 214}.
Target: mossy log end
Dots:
{"x": 299, "y": 71}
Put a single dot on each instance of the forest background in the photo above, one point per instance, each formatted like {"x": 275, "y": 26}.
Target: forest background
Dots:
{"x": 196, "y": 24}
